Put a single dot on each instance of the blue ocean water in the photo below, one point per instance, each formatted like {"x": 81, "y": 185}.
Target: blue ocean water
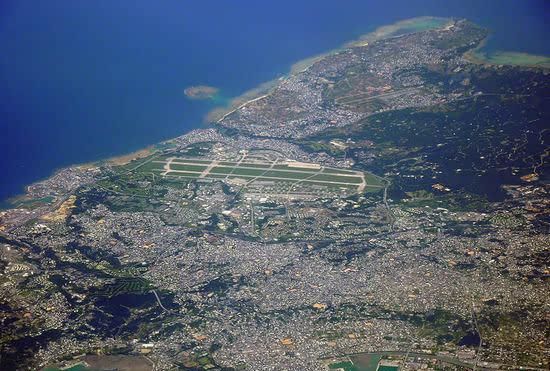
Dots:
{"x": 85, "y": 80}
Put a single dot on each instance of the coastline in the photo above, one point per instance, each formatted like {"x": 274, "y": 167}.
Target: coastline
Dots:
{"x": 217, "y": 114}
{"x": 129, "y": 157}
{"x": 243, "y": 105}
{"x": 220, "y": 112}
{"x": 400, "y": 28}
{"x": 403, "y": 27}
{"x": 120, "y": 160}
{"x": 505, "y": 58}
{"x": 396, "y": 29}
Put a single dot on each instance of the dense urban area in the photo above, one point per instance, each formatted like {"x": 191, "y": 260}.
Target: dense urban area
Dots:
{"x": 384, "y": 207}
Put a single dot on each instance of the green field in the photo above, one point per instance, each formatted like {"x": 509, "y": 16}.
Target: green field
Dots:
{"x": 280, "y": 177}
{"x": 180, "y": 167}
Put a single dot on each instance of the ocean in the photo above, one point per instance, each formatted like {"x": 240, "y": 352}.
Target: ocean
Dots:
{"x": 86, "y": 80}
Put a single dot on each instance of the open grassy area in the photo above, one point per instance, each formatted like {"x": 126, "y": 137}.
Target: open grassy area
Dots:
{"x": 374, "y": 180}
{"x": 180, "y": 167}
{"x": 294, "y": 178}
{"x": 184, "y": 174}
{"x": 237, "y": 171}
{"x": 286, "y": 167}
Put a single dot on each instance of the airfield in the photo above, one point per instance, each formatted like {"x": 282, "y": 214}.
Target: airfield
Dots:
{"x": 267, "y": 176}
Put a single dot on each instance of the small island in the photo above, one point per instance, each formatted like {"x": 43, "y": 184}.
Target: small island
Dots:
{"x": 201, "y": 92}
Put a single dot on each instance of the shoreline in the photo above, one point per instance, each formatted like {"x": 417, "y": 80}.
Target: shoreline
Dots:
{"x": 117, "y": 160}
{"x": 220, "y": 112}
{"x": 217, "y": 114}
{"x": 477, "y": 56}
{"x": 396, "y": 29}
{"x": 243, "y": 105}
